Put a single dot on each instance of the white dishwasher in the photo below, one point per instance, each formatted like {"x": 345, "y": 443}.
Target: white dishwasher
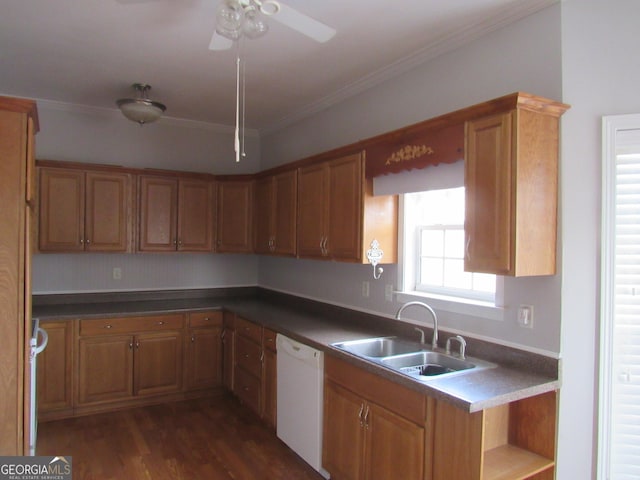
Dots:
{"x": 300, "y": 387}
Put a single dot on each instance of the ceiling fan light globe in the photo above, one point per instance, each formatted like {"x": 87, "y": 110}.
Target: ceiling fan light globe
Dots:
{"x": 230, "y": 18}
{"x": 254, "y": 26}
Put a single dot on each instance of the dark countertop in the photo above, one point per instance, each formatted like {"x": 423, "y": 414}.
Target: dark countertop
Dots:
{"x": 516, "y": 375}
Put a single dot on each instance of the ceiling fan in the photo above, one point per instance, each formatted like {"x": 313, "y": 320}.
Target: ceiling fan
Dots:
{"x": 238, "y": 18}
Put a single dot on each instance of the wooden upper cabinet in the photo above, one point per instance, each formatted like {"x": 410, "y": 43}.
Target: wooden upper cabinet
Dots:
{"x": 84, "y": 210}
{"x": 275, "y": 214}
{"x": 158, "y": 210}
{"x": 338, "y": 216}
{"x": 175, "y": 214}
{"x": 235, "y": 216}
{"x": 511, "y": 183}
{"x": 195, "y": 215}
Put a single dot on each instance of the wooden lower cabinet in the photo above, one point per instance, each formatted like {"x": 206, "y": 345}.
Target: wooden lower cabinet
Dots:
{"x": 105, "y": 369}
{"x": 508, "y": 442}
{"x": 228, "y": 348}
{"x": 55, "y": 371}
{"x": 203, "y": 368}
{"x": 125, "y": 359}
{"x": 367, "y": 434}
{"x": 254, "y": 369}
{"x": 158, "y": 363}
{"x": 269, "y": 378}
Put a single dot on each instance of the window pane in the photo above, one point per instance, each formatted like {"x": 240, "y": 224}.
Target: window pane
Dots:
{"x": 455, "y": 276}
{"x": 432, "y": 243}
{"x": 434, "y": 246}
{"x": 454, "y": 244}
{"x": 431, "y": 271}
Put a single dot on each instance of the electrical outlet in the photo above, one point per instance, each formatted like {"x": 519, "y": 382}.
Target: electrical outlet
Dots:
{"x": 365, "y": 289}
{"x": 388, "y": 293}
{"x": 117, "y": 273}
{"x": 525, "y": 316}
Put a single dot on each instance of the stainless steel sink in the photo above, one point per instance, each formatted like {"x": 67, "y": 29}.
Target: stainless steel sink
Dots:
{"x": 379, "y": 347}
{"x": 411, "y": 358}
{"x": 427, "y": 363}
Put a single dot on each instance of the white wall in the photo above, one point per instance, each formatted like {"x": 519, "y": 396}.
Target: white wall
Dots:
{"x": 90, "y": 135}
{"x": 522, "y": 57}
{"x": 600, "y": 72}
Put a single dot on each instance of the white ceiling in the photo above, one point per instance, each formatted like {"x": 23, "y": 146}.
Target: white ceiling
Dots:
{"x": 89, "y": 52}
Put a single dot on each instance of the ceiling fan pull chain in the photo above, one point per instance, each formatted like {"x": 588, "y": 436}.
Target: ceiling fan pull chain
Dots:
{"x": 236, "y": 141}
{"x": 244, "y": 103}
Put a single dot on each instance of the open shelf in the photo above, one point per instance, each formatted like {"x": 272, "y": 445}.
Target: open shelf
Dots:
{"x": 508, "y": 462}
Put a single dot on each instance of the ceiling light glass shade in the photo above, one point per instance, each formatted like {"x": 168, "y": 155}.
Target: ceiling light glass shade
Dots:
{"x": 230, "y": 18}
{"x": 140, "y": 109}
{"x": 254, "y": 26}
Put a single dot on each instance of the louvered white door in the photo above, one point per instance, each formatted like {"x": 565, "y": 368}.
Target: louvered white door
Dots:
{"x": 620, "y": 331}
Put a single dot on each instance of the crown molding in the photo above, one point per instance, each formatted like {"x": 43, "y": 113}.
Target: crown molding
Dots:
{"x": 440, "y": 46}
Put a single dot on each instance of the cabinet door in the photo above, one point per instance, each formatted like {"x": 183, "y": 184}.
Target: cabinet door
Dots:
{"x": 158, "y": 214}
{"x": 394, "y": 446}
{"x": 269, "y": 388}
{"x": 264, "y": 210}
{"x": 108, "y": 212}
{"x": 54, "y": 374}
{"x": 195, "y": 216}
{"x": 228, "y": 357}
{"x": 312, "y": 212}
{"x": 158, "y": 363}
{"x": 488, "y": 200}
{"x": 343, "y": 433}
{"x": 284, "y": 211}
{"x": 345, "y": 208}
{"x": 204, "y": 358}
{"x": 61, "y": 223}
{"x": 248, "y": 388}
{"x": 105, "y": 366}
{"x": 235, "y": 216}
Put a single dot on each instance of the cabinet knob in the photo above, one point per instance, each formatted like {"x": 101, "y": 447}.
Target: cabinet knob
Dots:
{"x": 87, "y": 241}
{"x": 130, "y": 345}
{"x": 193, "y": 338}
{"x": 161, "y": 322}
{"x": 138, "y": 344}
{"x": 108, "y": 326}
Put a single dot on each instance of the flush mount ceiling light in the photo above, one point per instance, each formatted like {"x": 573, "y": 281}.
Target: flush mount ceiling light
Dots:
{"x": 141, "y": 109}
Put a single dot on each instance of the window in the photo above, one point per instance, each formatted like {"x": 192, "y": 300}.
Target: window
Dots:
{"x": 434, "y": 248}
{"x": 619, "y": 422}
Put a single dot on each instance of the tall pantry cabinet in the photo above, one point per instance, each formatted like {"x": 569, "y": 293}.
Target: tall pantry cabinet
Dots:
{"x": 18, "y": 125}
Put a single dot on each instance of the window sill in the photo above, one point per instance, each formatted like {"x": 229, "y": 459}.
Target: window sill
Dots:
{"x": 458, "y": 305}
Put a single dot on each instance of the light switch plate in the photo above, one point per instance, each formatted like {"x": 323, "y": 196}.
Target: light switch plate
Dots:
{"x": 525, "y": 316}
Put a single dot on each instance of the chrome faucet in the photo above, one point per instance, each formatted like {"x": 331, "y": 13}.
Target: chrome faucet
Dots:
{"x": 434, "y": 340}
{"x": 463, "y": 345}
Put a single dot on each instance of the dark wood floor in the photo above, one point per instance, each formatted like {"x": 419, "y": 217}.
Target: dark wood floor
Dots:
{"x": 209, "y": 439}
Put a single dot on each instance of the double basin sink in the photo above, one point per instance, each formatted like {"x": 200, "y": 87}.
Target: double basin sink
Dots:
{"x": 411, "y": 358}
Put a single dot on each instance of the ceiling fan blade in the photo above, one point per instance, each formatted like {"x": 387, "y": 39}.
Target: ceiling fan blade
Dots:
{"x": 304, "y": 24}
{"x": 218, "y": 42}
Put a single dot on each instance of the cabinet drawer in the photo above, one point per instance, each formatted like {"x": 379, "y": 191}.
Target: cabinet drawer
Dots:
{"x": 248, "y": 355}
{"x": 269, "y": 339}
{"x": 205, "y": 319}
{"x": 106, "y": 326}
{"x": 249, "y": 329}
{"x": 249, "y": 389}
